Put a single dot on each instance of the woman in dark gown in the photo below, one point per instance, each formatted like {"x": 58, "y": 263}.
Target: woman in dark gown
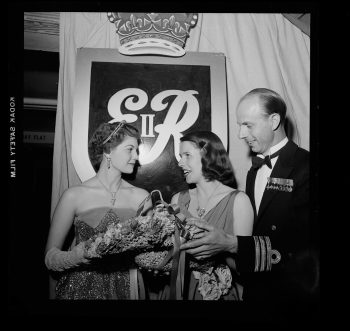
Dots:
{"x": 90, "y": 207}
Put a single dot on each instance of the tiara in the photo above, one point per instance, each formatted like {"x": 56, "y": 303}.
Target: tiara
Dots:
{"x": 119, "y": 126}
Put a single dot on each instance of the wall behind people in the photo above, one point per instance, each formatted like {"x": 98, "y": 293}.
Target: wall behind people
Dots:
{"x": 261, "y": 50}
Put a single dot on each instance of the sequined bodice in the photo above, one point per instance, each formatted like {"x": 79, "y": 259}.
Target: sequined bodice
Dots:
{"x": 106, "y": 278}
{"x": 84, "y": 231}
{"x": 105, "y": 215}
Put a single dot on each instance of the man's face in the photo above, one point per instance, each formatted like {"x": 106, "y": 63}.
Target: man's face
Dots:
{"x": 255, "y": 126}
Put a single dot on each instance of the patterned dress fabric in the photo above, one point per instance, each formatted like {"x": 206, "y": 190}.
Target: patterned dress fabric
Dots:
{"x": 106, "y": 278}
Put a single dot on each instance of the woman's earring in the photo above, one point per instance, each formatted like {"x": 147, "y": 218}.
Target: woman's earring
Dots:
{"x": 108, "y": 162}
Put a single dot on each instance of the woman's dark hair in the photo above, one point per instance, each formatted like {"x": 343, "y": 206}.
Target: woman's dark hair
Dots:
{"x": 216, "y": 164}
{"x": 97, "y": 147}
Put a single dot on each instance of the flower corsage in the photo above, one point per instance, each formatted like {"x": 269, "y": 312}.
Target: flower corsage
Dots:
{"x": 214, "y": 282}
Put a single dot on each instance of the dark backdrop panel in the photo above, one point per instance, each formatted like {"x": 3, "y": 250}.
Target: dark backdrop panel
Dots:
{"x": 108, "y": 78}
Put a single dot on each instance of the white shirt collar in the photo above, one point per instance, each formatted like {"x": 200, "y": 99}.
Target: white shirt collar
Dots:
{"x": 276, "y": 147}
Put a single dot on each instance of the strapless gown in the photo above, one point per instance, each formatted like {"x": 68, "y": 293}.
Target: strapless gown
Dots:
{"x": 107, "y": 278}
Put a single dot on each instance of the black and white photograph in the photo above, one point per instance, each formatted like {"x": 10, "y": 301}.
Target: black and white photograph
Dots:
{"x": 162, "y": 165}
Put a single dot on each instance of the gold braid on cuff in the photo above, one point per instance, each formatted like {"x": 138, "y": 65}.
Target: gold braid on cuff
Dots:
{"x": 265, "y": 256}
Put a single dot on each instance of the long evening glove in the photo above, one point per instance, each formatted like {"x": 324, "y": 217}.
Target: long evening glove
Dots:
{"x": 58, "y": 260}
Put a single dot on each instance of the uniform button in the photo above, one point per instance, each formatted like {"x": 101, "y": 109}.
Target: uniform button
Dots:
{"x": 273, "y": 227}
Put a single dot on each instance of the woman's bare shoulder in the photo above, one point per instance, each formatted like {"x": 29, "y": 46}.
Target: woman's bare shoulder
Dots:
{"x": 77, "y": 190}
{"x": 242, "y": 197}
{"x": 242, "y": 202}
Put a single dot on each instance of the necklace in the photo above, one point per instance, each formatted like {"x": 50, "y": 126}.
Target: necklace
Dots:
{"x": 113, "y": 194}
{"x": 201, "y": 211}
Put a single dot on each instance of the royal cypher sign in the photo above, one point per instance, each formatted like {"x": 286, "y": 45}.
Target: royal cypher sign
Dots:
{"x": 163, "y": 97}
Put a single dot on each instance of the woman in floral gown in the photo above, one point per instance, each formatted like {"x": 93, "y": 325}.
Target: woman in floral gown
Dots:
{"x": 212, "y": 198}
{"x": 90, "y": 207}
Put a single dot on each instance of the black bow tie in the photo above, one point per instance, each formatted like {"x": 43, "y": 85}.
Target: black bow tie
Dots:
{"x": 257, "y": 161}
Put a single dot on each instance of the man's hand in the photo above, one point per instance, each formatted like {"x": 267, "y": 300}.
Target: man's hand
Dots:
{"x": 209, "y": 241}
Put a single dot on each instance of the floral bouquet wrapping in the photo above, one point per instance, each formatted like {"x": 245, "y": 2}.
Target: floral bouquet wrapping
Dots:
{"x": 152, "y": 239}
{"x": 138, "y": 234}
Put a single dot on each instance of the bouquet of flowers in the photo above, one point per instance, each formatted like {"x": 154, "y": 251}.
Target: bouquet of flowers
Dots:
{"x": 152, "y": 239}
{"x": 140, "y": 233}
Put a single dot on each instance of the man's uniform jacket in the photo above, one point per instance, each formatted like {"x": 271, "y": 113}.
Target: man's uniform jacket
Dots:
{"x": 272, "y": 260}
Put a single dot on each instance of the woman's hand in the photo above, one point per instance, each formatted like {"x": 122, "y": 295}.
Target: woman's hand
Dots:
{"x": 58, "y": 260}
{"x": 81, "y": 251}
{"x": 209, "y": 241}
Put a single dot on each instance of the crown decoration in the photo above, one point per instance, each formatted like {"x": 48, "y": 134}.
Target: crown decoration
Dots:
{"x": 153, "y": 33}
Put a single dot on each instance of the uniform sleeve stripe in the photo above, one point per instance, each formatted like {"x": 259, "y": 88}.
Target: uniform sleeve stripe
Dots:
{"x": 263, "y": 253}
{"x": 268, "y": 246}
{"x": 265, "y": 256}
{"x": 257, "y": 253}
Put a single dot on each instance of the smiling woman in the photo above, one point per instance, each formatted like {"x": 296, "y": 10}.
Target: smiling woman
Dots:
{"x": 106, "y": 137}
{"x": 88, "y": 206}
{"x": 213, "y": 199}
